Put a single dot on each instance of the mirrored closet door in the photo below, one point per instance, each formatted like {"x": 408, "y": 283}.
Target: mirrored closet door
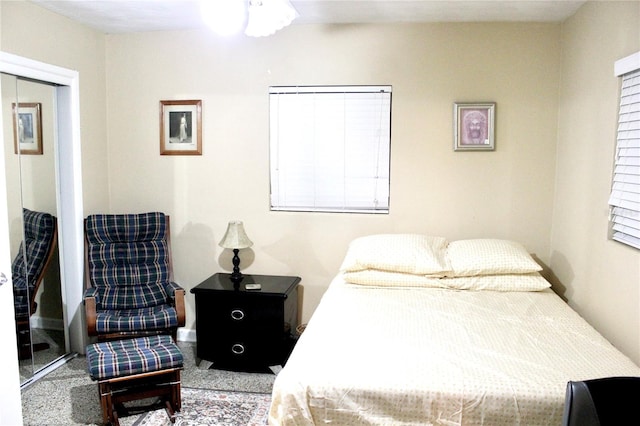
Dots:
{"x": 28, "y": 109}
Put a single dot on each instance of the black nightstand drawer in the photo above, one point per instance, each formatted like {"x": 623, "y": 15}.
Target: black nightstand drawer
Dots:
{"x": 244, "y": 330}
{"x": 247, "y": 354}
{"x": 239, "y": 311}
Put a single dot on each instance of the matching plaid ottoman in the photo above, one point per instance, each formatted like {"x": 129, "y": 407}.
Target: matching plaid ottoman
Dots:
{"x": 132, "y": 369}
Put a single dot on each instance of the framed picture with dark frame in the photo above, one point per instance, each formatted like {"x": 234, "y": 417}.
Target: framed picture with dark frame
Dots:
{"x": 181, "y": 127}
{"x": 474, "y": 126}
{"x": 27, "y": 128}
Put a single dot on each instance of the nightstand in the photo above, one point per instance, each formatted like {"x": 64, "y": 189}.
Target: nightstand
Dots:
{"x": 246, "y": 330}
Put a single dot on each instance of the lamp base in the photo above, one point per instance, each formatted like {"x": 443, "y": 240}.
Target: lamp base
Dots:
{"x": 236, "y": 275}
{"x": 236, "y": 279}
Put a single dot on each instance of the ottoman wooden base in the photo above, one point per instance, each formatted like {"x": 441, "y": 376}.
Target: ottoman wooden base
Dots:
{"x": 133, "y": 369}
{"x": 164, "y": 384}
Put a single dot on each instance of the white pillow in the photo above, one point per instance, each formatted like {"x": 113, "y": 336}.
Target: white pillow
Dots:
{"x": 507, "y": 282}
{"x": 406, "y": 253}
{"x": 489, "y": 257}
{"x": 377, "y": 278}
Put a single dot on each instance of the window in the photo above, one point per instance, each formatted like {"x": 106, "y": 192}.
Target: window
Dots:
{"x": 625, "y": 191}
{"x": 330, "y": 148}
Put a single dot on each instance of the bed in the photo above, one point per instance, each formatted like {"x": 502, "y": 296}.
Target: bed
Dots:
{"x": 417, "y": 330}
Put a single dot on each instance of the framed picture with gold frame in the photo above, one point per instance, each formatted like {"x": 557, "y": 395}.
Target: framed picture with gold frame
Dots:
{"x": 27, "y": 128}
{"x": 474, "y": 126}
{"x": 181, "y": 127}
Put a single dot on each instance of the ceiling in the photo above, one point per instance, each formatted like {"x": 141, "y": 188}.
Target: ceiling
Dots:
{"x": 121, "y": 16}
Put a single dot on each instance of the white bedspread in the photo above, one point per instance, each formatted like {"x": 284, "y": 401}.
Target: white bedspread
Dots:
{"x": 391, "y": 356}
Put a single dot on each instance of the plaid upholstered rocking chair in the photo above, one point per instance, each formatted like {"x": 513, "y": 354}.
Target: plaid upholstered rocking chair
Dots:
{"x": 40, "y": 238}
{"x": 130, "y": 290}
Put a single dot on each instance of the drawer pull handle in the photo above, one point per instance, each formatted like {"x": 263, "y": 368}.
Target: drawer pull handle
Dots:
{"x": 237, "y": 349}
{"x": 237, "y": 314}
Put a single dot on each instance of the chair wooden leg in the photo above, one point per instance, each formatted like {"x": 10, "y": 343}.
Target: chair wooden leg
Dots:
{"x": 176, "y": 398}
{"x": 116, "y": 421}
{"x": 174, "y": 401}
{"x": 170, "y": 412}
{"x": 109, "y": 414}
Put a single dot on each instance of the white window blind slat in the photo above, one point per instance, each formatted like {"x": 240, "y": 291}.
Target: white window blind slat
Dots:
{"x": 618, "y": 198}
{"x": 628, "y": 161}
{"x": 632, "y": 224}
{"x": 330, "y": 148}
{"x": 619, "y": 227}
{"x": 625, "y": 188}
{"x": 629, "y": 152}
{"x": 627, "y": 239}
{"x": 629, "y": 139}
{"x": 627, "y": 170}
{"x": 625, "y": 204}
{"x": 625, "y": 178}
{"x": 630, "y": 214}
{"x": 631, "y": 117}
{"x": 626, "y": 227}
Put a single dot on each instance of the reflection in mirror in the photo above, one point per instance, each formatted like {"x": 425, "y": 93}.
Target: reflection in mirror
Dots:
{"x": 32, "y": 211}
{"x": 14, "y": 195}
{"x": 36, "y": 105}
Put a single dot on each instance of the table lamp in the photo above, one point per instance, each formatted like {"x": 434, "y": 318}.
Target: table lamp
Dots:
{"x": 235, "y": 238}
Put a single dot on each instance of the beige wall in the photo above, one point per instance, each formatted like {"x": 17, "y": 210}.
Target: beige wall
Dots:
{"x": 30, "y": 31}
{"x": 507, "y": 193}
{"x": 599, "y": 277}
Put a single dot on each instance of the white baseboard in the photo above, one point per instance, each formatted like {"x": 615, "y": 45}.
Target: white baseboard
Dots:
{"x": 47, "y": 323}
{"x": 186, "y": 335}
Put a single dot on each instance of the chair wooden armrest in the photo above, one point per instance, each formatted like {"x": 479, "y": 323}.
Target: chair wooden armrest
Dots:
{"x": 180, "y": 308}
{"x": 91, "y": 314}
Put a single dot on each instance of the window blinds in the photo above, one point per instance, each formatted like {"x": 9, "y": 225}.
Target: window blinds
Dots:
{"x": 625, "y": 192}
{"x": 330, "y": 148}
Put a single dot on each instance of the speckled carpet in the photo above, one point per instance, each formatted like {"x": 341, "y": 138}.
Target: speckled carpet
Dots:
{"x": 204, "y": 407}
{"x": 67, "y": 396}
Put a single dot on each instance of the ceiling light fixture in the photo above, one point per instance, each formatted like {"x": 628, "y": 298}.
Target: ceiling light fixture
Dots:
{"x": 225, "y": 17}
{"x": 268, "y": 16}
{"x": 262, "y": 17}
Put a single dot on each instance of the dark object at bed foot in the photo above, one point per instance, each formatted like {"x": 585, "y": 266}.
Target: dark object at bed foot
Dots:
{"x": 602, "y": 402}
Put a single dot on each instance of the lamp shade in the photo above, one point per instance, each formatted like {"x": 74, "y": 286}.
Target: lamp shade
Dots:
{"x": 235, "y": 237}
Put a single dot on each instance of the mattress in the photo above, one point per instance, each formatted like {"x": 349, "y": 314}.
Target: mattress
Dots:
{"x": 415, "y": 355}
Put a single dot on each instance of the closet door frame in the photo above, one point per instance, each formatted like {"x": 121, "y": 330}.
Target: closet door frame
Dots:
{"x": 68, "y": 168}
